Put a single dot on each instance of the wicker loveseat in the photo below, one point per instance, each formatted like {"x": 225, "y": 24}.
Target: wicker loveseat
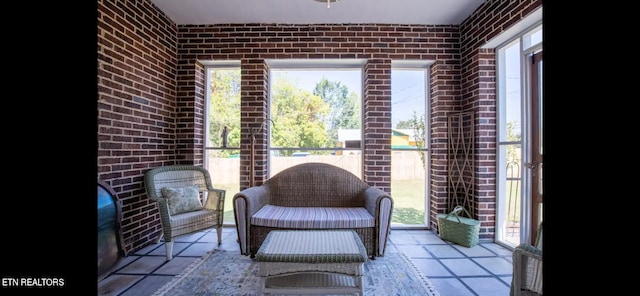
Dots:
{"x": 313, "y": 196}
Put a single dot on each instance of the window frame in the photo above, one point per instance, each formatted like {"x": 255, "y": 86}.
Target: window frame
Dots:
{"x": 419, "y": 65}
{"x": 219, "y": 65}
{"x": 316, "y": 65}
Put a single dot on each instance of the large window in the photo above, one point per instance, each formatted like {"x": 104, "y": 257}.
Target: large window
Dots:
{"x": 316, "y": 114}
{"x": 409, "y": 142}
{"x": 222, "y": 133}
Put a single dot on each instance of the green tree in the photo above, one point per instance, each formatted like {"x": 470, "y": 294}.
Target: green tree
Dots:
{"x": 405, "y": 124}
{"x": 418, "y": 125}
{"x": 224, "y": 106}
{"x": 513, "y": 153}
{"x": 297, "y": 117}
{"x": 344, "y": 108}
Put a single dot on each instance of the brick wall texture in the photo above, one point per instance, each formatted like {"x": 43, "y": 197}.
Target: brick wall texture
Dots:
{"x": 151, "y": 94}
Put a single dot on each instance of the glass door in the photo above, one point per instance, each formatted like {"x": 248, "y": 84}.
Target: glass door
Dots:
{"x": 519, "y": 159}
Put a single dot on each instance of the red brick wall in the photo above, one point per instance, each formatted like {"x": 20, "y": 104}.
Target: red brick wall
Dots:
{"x": 445, "y": 94}
{"x": 137, "y": 108}
{"x": 151, "y": 93}
{"x": 377, "y": 123}
{"x": 254, "y": 112}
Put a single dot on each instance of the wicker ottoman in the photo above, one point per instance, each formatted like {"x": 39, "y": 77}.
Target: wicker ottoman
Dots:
{"x": 312, "y": 262}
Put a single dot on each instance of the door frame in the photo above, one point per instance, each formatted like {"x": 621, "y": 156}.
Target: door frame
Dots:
{"x": 535, "y": 163}
{"x": 529, "y": 211}
{"x": 505, "y": 233}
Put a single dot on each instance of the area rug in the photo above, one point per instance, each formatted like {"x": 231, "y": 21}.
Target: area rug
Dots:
{"x": 229, "y": 273}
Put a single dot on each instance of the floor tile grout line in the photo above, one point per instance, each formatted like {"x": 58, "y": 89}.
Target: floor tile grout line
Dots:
{"x": 228, "y": 238}
{"x": 147, "y": 254}
{"x": 144, "y": 276}
{"x": 464, "y": 256}
{"x": 481, "y": 266}
{"x": 470, "y": 257}
{"x": 491, "y": 274}
{"x": 453, "y": 274}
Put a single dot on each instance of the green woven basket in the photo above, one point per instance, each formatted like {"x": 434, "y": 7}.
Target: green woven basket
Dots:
{"x": 460, "y": 230}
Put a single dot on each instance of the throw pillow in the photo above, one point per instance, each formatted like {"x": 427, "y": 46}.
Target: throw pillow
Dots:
{"x": 182, "y": 199}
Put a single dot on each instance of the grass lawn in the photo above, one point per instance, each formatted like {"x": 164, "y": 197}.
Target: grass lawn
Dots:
{"x": 408, "y": 201}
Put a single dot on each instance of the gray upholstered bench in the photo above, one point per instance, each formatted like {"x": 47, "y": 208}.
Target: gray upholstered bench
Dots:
{"x": 312, "y": 262}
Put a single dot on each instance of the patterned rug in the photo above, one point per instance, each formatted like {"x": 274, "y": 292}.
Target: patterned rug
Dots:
{"x": 229, "y": 273}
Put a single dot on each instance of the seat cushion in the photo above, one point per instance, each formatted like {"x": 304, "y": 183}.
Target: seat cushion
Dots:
{"x": 312, "y": 217}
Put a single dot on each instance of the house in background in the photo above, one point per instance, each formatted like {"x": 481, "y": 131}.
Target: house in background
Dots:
{"x": 349, "y": 138}
{"x": 400, "y": 138}
{"x": 151, "y": 95}
{"x": 403, "y": 138}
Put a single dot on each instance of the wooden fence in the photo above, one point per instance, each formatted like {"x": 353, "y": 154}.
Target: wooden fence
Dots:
{"x": 405, "y": 165}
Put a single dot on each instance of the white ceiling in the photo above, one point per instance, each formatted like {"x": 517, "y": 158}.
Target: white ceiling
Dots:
{"x": 429, "y": 12}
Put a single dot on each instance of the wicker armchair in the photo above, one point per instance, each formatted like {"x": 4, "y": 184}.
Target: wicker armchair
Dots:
{"x": 161, "y": 183}
{"x": 527, "y": 268}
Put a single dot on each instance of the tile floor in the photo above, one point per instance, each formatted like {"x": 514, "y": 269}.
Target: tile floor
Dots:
{"x": 484, "y": 270}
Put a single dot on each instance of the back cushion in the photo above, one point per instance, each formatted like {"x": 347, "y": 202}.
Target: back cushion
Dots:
{"x": 182, "y": 199}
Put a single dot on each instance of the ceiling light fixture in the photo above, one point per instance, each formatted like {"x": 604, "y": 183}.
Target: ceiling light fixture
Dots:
{"x": 328, "y": 2}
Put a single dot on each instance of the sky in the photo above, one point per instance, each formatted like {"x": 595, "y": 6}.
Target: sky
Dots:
{"x": 307, "y": 79}
{"x": 407, "y": 94}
